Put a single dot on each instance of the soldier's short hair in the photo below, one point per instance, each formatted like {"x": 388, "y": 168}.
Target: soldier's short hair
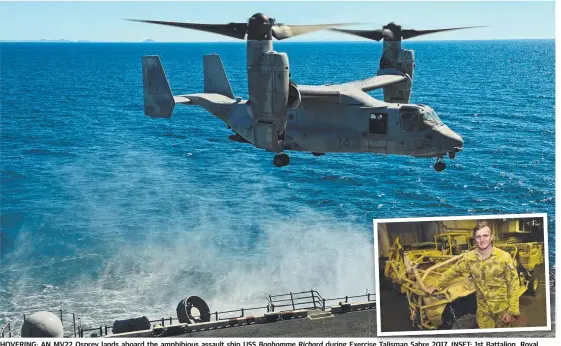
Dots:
{"x": 481, "y": 225}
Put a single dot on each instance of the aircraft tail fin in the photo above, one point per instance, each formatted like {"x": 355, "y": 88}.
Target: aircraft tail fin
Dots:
{"x": 216, "y": 81}
{"x": 158, "y": 99}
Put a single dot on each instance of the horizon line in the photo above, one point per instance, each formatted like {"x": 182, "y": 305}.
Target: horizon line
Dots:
{"x": 276, "y": 42}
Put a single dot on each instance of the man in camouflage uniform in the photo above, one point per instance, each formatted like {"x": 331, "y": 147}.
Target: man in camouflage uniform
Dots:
{"x": 494, "y": 274}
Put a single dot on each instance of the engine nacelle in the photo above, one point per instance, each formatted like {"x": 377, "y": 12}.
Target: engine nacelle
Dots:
{"x": 294, "y": 97}
{"x": 406, "y": 62}
{"x": 401, "y": 93}
{"x": 268, "y": 86}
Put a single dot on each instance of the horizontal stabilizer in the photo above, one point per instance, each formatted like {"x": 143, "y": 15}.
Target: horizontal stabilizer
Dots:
{"x": 203, "y": 98}
{"x": 182, "y": 99}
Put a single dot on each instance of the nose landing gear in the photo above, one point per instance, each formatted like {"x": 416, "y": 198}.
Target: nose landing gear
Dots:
{"x": 281, "y": 160}
{"x": 440, "y": 165}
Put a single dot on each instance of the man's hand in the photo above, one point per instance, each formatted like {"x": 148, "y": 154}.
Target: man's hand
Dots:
{"x": 508, "y": 318}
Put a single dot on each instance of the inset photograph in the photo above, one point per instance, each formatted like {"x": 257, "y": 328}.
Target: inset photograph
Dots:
{"x": 462, "y": 274}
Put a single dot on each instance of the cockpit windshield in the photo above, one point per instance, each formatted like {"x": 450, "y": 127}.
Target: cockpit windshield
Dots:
{"x": 430, "y": 118}
{"x": 418, "y": 118}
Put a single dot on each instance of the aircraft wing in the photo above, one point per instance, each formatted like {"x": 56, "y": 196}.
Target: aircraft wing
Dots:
{"x": 368, "y": 84}
{"x": 318, "y": 91}
{"x": 376, "y": 82}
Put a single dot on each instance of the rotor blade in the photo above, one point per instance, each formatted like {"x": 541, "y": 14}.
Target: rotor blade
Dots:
{"x": 236, "y": 30}
{"x": 409, "y": 33}
{"x": 376, "y": 35}
{"x": 283, "y": 31}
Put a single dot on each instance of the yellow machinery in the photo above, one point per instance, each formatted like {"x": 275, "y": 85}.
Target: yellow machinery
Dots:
{"x": 443, "y": 308}
{"x": 411, "y": 270}
{"x": 528, "y": 256}
{"x": 445, "y": 246}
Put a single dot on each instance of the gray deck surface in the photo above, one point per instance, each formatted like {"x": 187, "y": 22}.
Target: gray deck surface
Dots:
{"x": 360, "y": 324}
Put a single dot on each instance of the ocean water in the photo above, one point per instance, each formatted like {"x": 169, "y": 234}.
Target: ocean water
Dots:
{"x": 110, "y": 214}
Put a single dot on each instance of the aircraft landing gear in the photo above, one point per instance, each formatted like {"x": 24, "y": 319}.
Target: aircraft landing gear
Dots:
{"x": 281, "y": 160}
{"x": 440, "y": 165}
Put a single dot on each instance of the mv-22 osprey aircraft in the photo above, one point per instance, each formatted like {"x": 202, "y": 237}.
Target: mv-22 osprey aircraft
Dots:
{"x": 337, "y": 118}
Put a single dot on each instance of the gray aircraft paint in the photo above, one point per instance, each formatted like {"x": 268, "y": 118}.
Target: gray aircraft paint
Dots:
{"x": 402, "y": 60}
{"x": 334, "y": 118}
{"x": 393, "y": 56}
{"x": 215, "y": 79}
{"x": 329, "y": 118}
{"x": 267, "y": 75}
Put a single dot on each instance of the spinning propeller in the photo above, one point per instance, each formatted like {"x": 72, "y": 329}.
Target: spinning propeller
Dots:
{"x": 259, "y": 27}
{"x": 394, "y": 32}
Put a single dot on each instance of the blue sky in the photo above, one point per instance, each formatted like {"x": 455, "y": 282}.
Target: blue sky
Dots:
{"x": 103, "y": 21}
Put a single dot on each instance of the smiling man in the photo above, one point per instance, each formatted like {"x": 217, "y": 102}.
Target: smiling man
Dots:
{"x": 494, "y": 274}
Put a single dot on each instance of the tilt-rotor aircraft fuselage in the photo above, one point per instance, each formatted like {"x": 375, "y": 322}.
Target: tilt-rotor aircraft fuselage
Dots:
{"x": 280, "y": 115}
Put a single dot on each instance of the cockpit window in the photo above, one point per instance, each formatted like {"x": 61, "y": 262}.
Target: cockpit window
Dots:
{"x": 410, "y": 120}
{"x": 430, "y": 118}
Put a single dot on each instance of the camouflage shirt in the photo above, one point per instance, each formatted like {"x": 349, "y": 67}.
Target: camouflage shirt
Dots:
{"x": 495, "y": 278}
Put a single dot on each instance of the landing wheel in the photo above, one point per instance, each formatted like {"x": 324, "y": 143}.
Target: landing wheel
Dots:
{"x": 281, "y": 160}
{"x": 277, "y": 161}
{"x": 439, "y": 166}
